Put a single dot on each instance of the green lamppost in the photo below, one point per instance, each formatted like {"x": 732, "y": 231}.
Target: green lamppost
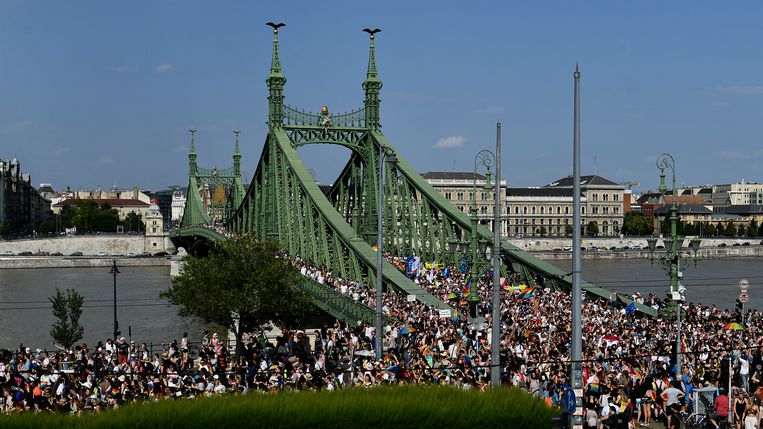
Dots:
{"x": 673, "y": 244}
{"x": 486, "y": 159}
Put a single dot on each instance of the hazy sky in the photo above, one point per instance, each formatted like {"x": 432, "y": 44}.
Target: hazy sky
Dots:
{"x": 95, "y": 92}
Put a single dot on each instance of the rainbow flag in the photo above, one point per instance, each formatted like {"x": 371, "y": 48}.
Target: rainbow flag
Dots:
{"x": 528, "y": 293}
{"x": 593, "y": 388}
{"x": 375, "y": 247}
{"x": 468, "y": 285}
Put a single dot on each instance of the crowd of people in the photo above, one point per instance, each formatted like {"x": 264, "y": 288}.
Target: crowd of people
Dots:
{"x": 628, "y": 369}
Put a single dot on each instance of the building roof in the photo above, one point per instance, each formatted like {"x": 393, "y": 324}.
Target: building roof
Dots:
{"x": 586, "y": 181}
{"x": 744, "y": 209}
{"x": 685, "y": 209}
{"x": 686, "y": 199}
{"x": 452, "y": 175}
{"x": 113, "y": 202}
{"x": 539, "y": 192}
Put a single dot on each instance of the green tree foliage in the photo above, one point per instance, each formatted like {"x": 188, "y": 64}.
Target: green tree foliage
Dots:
{"x": 730, "y": 230}
{"x": 542, "y": 231}
{"x": 5, "y": 229}
{"x": 710, "y": 230}
{"x": 133, "y": 222}
{"x": 67, "y": 309}
{"x": 87, "y": 216}
{"x": 752, "y": 229}
{"x": 592, "y": 229}
{"x": 568, "y": 230}
{"x": 240, "y": 277}
{"x": 635, "y": 223}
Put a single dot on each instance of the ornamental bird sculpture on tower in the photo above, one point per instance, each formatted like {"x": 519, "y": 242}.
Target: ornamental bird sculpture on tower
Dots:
{"x": 372, "y": 32}
{"x": 275, "y": 26}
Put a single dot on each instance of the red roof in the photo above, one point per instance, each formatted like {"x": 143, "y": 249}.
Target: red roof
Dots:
{"x": 113, "y": 202}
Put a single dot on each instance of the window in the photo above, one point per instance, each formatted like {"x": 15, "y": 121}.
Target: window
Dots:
{"x": 566, "y": 210}
{"x": 483, "y": 209}
{"x": 483, "y": 196}
{"x": 524, "y": 209}
{"x": 533, "y": 222}
{"x": 595, "y": 197}
{"x": 533, "y": 209}
{"x": 153, "y": 230}
{"x": 541, "y": 210}
{"x": 448, "y": 196}
{"x": 460, "y": 196}
{"x": 558, "y": 210}
{"x": 541, "y": 221}
{"x": 606, "y": 210}
{"x": 615, "y": 210}
{"x": 595, "y": 210}
{"x": 615, "y": 197}
{"x": 582, "y": 210}
{"x": 516, "y": 210}
{"x": 605, "y": 197}
{"x": 471, "y": 196}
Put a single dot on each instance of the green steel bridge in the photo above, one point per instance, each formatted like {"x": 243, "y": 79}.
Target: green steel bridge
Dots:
{"x": 337, "y": 228}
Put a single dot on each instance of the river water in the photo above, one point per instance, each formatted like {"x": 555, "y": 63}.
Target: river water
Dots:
{"x": 26, "y": 317}
{"x": 711, "y": 281}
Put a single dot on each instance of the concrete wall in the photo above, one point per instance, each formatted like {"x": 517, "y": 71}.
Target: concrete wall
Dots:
{"x": 77, "y": 262}
{"x": 87, "y": 244}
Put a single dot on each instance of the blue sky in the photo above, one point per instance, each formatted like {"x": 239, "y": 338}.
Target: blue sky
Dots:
{"x": 94, "y": 92}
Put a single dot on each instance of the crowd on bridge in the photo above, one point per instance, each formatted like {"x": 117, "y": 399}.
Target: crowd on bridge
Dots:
{"x": 629, "y": 358}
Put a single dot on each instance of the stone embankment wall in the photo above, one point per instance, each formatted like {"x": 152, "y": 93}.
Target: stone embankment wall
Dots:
{"x": 553, "y": 248}
{"x": 78, "y": 262}
{"x": 87, "y": 244}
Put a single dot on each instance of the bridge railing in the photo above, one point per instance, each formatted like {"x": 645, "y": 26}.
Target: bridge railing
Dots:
{"x": 293, "y": 116}
{"x": 335, "y": 303}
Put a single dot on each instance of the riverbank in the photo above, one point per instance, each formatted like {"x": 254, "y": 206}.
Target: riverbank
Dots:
{"x": 26, "y": 262}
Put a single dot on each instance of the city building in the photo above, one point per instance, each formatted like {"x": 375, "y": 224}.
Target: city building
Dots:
{"x": 123, "y": 206}
{"x": 694, "y": 214}
{"x": 22, "y": 208}
{"x": 736, "y": 194}
{"x": 604, "y": 202}
{"x": 171, "y": 202}
{"x": 155, "y": 238}
{"x": 458, "y": 189}
{"x": 540, "y": 211}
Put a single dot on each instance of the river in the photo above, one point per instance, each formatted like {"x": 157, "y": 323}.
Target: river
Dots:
{"x": 711, "y": 281}
{"x": 26, "y": 317}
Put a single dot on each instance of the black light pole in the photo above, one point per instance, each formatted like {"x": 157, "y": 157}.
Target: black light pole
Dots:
{"x": 114, "y": 271}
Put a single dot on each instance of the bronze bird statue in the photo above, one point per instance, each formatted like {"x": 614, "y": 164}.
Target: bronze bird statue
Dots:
{"x": 372, "y": 32}
{"x": 275, "y": 26}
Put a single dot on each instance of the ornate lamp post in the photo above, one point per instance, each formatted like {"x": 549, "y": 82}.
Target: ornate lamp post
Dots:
{"x": 673, "y": 245}
{"x": 114, "y": 271}
{"x": 486, "y": 159}
{"x": 384, "y": 153}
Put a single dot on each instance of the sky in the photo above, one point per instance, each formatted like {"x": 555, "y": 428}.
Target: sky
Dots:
{"x": 97, "y": 93}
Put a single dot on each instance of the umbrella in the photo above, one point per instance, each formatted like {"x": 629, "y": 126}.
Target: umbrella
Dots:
{"x": 407, "y": 329}
{"x": 610, "y": 337}
{"x": 733, "y": 326}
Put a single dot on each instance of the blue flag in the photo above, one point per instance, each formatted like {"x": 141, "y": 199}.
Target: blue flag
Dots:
{"x": 446, "y": 273}
{"x": 631, "y": 308}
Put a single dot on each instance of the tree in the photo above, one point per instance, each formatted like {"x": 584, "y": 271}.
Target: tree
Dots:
{"x": 730, "y": 230}
{"x": 133, "y": 222}
{"x": 241, "y": 284}
{"x": 752, "y": 229}
{"x": 635, "y": 223}
{"x": 6, "y": 229}
{"x": 67, "y": 310}
{"x": 568, "y": 230}
{"x": 710, "y": 230}
{"x": 592, "y": 229}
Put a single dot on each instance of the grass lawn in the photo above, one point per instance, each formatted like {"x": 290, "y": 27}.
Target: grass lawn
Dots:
{"x": 389, "y": 407}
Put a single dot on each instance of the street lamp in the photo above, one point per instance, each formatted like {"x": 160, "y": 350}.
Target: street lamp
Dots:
{"x": 486, "y": 159}
{"x": 673, "y": 244}
{"x": 114, "y": 271}
{"x": 389, "y": 155}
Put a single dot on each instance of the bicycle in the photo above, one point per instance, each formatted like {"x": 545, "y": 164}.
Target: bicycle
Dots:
{"x": 693, "y": 420}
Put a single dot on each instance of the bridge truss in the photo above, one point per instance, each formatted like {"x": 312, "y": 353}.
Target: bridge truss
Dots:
{"x": 337, "y": 229}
